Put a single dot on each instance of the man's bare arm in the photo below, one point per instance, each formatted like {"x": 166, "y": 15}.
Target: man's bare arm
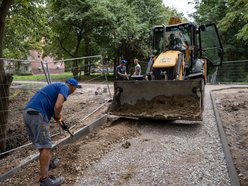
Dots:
{"x": 58, "y": 106}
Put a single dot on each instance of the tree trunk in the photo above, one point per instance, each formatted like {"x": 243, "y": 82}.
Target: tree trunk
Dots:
{"x": 75, "y": 69}
{"x": 5, "y": 79}
{"x": 5, "y": 82}
{"x": 88, "y": 53}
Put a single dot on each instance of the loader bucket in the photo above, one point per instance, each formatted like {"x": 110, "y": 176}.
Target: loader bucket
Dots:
{"x": 159, "y": 99}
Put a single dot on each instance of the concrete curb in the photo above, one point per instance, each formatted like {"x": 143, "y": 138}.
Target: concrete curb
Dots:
{"x": 235, "y": 181}
{"x": 77, "y": 135}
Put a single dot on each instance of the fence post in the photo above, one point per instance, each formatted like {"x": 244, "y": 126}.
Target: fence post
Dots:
{"x": 45, "y": 73}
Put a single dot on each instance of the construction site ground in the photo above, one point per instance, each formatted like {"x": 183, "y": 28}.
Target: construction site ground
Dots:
{"x": 141, "y": 152}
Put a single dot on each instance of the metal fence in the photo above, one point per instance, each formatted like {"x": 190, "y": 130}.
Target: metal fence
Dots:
{"x": 91, "y": 72}
{"x": 230, "y": 72}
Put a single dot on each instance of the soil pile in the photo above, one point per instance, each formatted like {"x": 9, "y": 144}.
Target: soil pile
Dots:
{"x": 233, "y": 108}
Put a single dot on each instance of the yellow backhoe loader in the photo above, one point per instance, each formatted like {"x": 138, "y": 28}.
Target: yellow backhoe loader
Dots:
{"x": 173, "y": 86}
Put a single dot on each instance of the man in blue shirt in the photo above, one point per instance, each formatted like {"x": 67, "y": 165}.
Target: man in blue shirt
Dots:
{"x": 44, "y": 105}
{"x": 121, "y": 71}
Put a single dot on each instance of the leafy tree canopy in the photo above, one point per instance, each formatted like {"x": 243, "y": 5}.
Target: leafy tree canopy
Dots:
{"x": 237, "y": 15}
{"x": 231, "y": 18}
{"x": 74, "y": 28}
{"x": 26, "y": 24}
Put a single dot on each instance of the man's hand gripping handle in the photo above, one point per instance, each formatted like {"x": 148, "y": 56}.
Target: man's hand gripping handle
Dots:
{"x": 65, "y": 127}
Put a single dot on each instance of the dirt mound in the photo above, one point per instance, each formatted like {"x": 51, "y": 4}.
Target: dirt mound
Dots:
{"x": 15, "y": 131}
{"x": 76, "y": 157}
{"x": 91, "y": 148}
{"x": 76, "y": 112}
{"x": 233, "y": 108}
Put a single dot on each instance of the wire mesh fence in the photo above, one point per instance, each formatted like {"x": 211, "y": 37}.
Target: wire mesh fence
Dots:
{"x": 233, "y": 71}
{"x": 91, "y": 72}
{"x": 230, "y": 72}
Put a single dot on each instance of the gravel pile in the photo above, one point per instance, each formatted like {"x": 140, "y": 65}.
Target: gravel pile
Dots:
{"x": 166, "y": 153}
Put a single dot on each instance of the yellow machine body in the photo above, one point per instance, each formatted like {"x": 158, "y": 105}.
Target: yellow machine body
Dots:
{"x": 173, "y": 87}
{"x": 166, "y": 59}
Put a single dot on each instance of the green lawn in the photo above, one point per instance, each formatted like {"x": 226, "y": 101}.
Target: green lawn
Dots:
{"x": 63, "y": 76}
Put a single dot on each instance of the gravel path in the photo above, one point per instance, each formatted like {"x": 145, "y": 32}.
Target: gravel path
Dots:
{"x": 166, "y": 153}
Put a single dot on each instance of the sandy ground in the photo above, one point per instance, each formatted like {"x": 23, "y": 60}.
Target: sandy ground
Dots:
{"x": 77, "y": 157}
{"x": 233, "y": 109}
{"x": 79, "y": 110}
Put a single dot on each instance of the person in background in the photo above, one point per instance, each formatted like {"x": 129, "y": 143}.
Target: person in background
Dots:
{"x": 137, "y": 68}
{"x": 45, "y": 104}
{"x": 121, "y": 71}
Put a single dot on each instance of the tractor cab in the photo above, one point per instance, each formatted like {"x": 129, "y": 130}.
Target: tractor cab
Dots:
{"x": 193, "y": 41}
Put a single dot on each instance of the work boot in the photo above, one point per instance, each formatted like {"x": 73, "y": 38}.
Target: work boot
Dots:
{"x": 52, "y": 181}
{"x": 53, "y": 164}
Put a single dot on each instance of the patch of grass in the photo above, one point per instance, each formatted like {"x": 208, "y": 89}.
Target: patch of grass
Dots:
{"x": 14, "y": 93}
{"x": 63, "y": 77}
{"x": 39, "y": 77}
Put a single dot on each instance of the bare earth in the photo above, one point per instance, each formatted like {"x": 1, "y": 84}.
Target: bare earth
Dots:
{"x": 233, "y": 108}
{"x": 77, "y": 157}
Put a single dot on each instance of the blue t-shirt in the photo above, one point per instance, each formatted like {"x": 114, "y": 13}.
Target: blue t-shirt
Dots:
{"x": 44, "y": 100}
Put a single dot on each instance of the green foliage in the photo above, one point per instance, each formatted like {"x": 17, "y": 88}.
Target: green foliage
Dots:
{"x": 113, "y": 28}
{"x": 231, "y": 16}
{"x": 74, "y": 23}
{"x": 246, "y": 78}
{"x": 209, "y": 11}
{"x": 26, "y": 25}
{"x": 74, "y": 28}
{"x": 129, "y": 35}
{"x": 237, "y": 16}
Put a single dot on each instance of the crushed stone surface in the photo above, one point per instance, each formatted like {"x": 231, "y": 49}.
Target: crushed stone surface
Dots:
{"x": 140, "y": 152}
{"x": 165, "y": 153}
